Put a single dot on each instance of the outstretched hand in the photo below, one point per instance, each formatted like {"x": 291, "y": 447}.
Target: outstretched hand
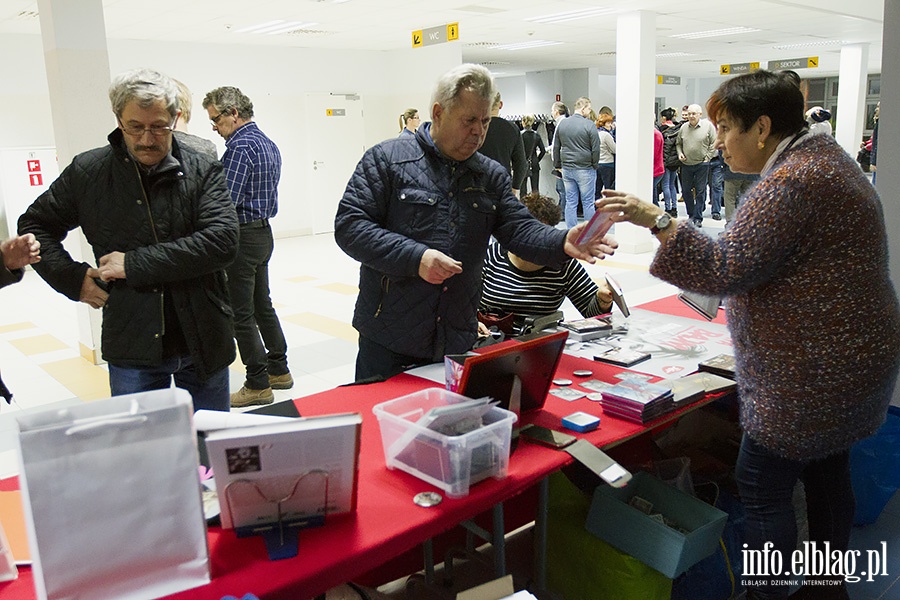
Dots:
{"x": 597, "y": 247}
{"x": 20, "y": 251}
{"x": 628, "y": 207}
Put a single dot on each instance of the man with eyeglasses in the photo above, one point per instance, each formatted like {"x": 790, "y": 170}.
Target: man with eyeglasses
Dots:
{"x": 162, "y": 228}
{"x": 252, "y": 169}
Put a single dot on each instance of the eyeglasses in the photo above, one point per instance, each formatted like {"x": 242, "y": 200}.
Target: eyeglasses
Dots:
{"x": 215, "y": 120}
{"x": 155, "y": 130}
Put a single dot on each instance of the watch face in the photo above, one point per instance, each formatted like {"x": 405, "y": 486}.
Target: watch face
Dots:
{"x": 663, "y": 220}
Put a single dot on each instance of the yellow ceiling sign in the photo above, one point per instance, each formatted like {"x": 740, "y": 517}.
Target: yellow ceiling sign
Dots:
{"x": 417, "y": 39}
{"x": 452, "y": 32}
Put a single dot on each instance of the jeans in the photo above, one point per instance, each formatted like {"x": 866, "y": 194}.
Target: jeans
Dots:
{"x": 580, "y": 187}
{"x": 716, "y": 186}
{"x": 654, "y": 196}
{"x": 376, "y": 361}
{"x": 670, "y": 194}
{"x": 254, "y": 316}
{"x": 561, "y": 192}
{"x": 693, "y": 189}
{"x": 606, "y": 177}
{"x": 211, "y": 394}
{"x": 766, "y": 484}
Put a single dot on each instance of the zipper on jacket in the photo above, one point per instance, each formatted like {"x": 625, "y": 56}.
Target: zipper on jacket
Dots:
{"x": 385, "y": 287}
{"x": 162, "y": 308}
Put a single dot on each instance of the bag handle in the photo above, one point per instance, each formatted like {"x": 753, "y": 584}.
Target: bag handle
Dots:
{"x": 131, "y": 417}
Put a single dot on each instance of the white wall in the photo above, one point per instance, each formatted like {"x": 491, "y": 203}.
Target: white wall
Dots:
{"x": 275, "y": 79}
{"x": 513, "y": 93}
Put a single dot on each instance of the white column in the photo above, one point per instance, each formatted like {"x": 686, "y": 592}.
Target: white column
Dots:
{"x": 77, "y": 62}
{"x": 852, "y": 96}
{"x": 888, "y": 180}
{"x": 635, "y": 89}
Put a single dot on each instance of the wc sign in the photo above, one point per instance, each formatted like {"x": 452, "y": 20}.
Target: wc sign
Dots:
{"x": 34, "y": 173}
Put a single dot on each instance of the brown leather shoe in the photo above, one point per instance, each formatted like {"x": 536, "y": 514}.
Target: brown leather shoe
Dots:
{"x": 247, "y": 397}
{"x": 281, "y": 382}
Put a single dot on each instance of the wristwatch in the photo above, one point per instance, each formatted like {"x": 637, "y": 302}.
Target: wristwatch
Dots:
{"x": 662, "y": 221}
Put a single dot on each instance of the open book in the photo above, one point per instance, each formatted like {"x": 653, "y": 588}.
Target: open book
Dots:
{"x": 287, "y": 472}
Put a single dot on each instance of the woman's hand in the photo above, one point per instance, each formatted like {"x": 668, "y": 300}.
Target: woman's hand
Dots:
{"x": 604, "y": 296}
{"x": 628, "y": 207}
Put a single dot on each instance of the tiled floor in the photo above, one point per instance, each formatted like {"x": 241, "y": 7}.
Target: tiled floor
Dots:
{"x": 314, "y": 287}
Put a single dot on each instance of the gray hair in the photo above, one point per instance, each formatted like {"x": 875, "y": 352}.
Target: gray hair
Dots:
{"x": 560, "y": 108}
{"x": 228, "y": 98}
{"x": 465, "y": 77}
{"x": 582, "y": 102}
{"x": 146, "y": 87}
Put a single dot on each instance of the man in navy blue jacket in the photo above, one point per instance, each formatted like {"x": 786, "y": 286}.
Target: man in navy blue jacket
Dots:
{"x": 418, "y": 213}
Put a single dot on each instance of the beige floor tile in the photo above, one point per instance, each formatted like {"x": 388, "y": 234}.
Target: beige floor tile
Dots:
{"x": 38, "y": 344}
{"x": 340, "y": 288}
{"x": 323, "y": 324}
{"x": 86, "y": 381}
{"x": 16, "y": 327}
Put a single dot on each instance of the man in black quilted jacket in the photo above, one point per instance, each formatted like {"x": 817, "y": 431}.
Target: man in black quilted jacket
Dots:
{"x": 418, "y": 213}
{"x": 162, "y": 227}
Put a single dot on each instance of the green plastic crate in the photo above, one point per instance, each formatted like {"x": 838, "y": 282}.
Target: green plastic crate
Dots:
{"x": 659, "y": 546}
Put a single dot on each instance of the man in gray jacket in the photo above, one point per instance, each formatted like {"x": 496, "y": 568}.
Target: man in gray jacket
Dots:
{"x": 576, "y": 150}
{"x": 418, "y": 216}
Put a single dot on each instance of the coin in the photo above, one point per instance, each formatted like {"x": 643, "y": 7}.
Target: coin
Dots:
{"x": 594, "y": 396}
{"x": 427, "y": 499}
{"x": 582, "y": 373}
{"x": 562, "y": 381}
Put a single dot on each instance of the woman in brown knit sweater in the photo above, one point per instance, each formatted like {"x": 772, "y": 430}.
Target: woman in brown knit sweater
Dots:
{"x": 813, "y": 315}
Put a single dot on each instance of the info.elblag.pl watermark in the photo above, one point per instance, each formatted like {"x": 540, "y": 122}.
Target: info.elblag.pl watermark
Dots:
{"x": 814, "y": 560}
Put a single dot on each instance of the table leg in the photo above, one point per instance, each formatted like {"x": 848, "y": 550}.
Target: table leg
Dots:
{"x": 540, "y": 534}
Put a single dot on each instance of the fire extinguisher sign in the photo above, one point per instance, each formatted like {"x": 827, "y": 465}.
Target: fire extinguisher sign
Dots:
{"x": 35, "y": 178}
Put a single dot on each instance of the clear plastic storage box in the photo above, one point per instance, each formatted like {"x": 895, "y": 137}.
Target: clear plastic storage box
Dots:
{"x": 452, "y": 463}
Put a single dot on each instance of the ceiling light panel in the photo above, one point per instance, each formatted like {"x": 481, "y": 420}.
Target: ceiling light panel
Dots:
{"x": 809, "y": 44}
{"x": 527, "y": 45}
{"x": 572, "y": 15}
{"x": 275, "y": 27}
{"x": 714, "y": 33}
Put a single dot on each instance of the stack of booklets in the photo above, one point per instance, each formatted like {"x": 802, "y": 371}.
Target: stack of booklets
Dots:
{"x": 591, "y": 328}
{"x": 637, "y": 401}
{"x": 722, "y": 364}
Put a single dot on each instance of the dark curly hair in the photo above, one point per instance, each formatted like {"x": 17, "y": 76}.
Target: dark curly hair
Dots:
{"x": 542, "y": 208}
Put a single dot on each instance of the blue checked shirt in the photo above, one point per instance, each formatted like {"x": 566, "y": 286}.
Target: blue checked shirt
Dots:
{"x": 252, "y": 168}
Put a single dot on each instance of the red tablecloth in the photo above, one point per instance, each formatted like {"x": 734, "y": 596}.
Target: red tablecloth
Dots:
{"x": 386, "y": 522}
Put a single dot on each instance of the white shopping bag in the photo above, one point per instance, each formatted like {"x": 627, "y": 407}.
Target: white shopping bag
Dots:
{"x": 112, "y": 498}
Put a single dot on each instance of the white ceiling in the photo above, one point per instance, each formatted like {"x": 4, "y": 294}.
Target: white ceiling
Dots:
{"x": 590, "y": 42}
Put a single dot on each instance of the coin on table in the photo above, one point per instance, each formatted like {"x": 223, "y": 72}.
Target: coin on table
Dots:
{"x": 427, "y": 499}
{"x": 594, "y": 396}
{"x": 562, "y": 381}
{"x": 582, "y": 373}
